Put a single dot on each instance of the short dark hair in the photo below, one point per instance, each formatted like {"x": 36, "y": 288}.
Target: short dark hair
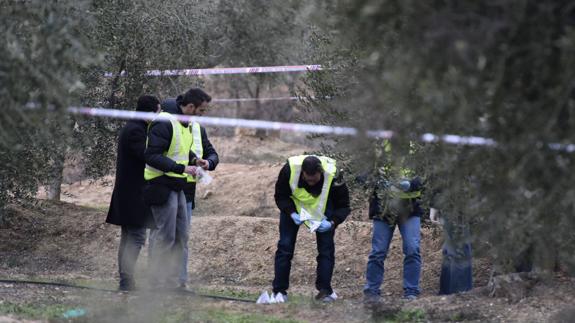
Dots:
{"x": 195, "y": 96}
{"x": 311, "y": 165}
{"x": 147, "y": 103}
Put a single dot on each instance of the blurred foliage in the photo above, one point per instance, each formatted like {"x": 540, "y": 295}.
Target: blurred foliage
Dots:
{"x": 260, "y": 33}
{"x": 39, "y": 63}
{"x": 498, "y": 69}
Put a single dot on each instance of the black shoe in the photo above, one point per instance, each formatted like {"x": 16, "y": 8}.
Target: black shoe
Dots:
{"x": 409, "y": 298}
{"x": 326, "y": 297}
{"x": 127, "y": 285}
{"x": 371, "y": 301}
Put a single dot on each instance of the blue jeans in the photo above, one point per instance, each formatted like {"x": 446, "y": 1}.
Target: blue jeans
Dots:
{"x": 382, "y": 234}
{"x": 284, "y": 254}
{"x": 456, "y": 268}
{"x": 185, "y": 251}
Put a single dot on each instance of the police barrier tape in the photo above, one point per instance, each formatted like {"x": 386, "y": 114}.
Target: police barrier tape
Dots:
{"x": 295, "y": 127}
{"x": 227, "y": 70}
{"x": 279, "y": 98}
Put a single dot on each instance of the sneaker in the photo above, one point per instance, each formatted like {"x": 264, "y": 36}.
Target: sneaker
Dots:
{"x": 409, "y": 298}
{"x": 325, "y": 297}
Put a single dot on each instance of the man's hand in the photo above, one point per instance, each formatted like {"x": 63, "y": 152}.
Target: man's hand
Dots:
{"x": 434, "y": 216}
{"x": 203, "y": 163}
{"x": 296, "y": 219}
{"x": 325, "y": 226}
{"x": 192, "y": 170}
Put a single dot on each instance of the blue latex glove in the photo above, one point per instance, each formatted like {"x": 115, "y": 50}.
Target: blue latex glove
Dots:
{"x": 405, "y": 185}
{"x": 296, "y": 219}
{"x": 324, "y": 226}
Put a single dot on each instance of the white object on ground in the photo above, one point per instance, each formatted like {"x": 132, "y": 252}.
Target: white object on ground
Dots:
{"x": 270, "y": 298}
{"x": 280, "y": 298}
{"x": 264, "y": 298}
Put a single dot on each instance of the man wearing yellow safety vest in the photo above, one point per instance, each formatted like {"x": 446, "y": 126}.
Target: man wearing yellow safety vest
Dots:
{"x": 309, "y": 191}
{"x": 167, "y": 157}
{"x": 203, "y": 155}
{"x": 395, "y": 202}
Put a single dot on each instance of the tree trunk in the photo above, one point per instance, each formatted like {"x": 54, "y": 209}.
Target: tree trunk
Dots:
{"x": 54, "y": 187}
{"x": 260, "y": 133}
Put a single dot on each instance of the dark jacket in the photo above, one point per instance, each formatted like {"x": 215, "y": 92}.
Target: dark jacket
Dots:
{"x": 159, "y": 139}
{"x": 127, "y": 206}
{"x": 337, "y": 208}
{"x": 209, "y": 152}
{"x": 375, "y": 205}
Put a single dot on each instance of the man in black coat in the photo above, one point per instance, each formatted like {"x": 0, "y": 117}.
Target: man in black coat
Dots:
{"x": 127, "y": 208}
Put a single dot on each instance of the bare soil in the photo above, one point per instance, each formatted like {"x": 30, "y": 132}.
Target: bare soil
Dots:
{"x": 233, "y": 239}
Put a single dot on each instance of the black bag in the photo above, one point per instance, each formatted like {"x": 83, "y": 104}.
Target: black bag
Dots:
{"x": 156, "y": 194}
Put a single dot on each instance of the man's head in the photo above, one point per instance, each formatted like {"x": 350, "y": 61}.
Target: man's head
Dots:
{"x": 194, "y": 102}
{"x": 311, "y": 170}
{"x": 148, "y": 103}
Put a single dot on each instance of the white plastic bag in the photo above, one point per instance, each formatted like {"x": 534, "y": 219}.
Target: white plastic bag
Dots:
{"x": 203, "y": 177}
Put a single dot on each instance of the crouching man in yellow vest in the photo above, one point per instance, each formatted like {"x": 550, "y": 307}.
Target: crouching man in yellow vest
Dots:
{"x": 308, "y": 191}
{"x": 167, "y": 158}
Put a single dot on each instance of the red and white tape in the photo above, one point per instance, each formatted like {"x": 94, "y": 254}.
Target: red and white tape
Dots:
{"x": 295, "y": 127}
{"x": 228, "y": 70}
{"x": 279, "y": 98}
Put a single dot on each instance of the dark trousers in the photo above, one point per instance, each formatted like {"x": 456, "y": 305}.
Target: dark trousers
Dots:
{"x": 132, "y": 240}
{"x": 167, "y": 241}
{"x": 284, "y": 256}
{"x": 456, "y": 268}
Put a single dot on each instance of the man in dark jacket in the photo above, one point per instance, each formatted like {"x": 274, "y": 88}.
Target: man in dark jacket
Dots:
{"x": 167, "y": 168}
{"x": 395, "y": 202}
{"x": 127, "y": 207}
{"x": 208, "y": 160}
{"x": 309, "y": 185}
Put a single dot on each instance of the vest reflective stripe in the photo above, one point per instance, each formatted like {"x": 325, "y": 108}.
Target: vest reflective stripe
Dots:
{"x": 197, "y": 147}
{"x": 405, "y": 195}
{"x": 301, "y": 197}
{"x": 178, "y": 151}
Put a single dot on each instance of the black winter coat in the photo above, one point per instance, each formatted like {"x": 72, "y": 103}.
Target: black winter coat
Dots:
{"x": 209, "y": 153}
{"x": 127, "y": 205}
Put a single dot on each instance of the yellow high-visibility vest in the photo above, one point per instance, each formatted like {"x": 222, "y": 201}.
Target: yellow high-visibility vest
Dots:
{"x": 197, "y": 147}
{"x": 301, "y": 197}
{"x": 404, "y": 172}
{"x": 179, "y": 149}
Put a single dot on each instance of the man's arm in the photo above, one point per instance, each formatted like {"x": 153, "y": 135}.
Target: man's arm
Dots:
{"x": 209, "y": 152}
{"x": 135, "y": 139}
{"x": 339, "y": 194}
{"x": 283, "y": 192}
{"x": 159, "y": 139}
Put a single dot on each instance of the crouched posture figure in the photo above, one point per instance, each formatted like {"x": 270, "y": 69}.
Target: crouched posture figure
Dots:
{"x": 309, "y": 185}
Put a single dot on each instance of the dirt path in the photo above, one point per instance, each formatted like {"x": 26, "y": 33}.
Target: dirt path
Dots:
{"x": 233, "y": 239}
